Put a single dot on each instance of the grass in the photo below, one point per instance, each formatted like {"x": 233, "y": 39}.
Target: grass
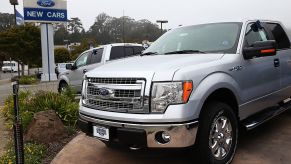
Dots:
{"x": 28, "y": 80}
{"x": 33, "y": 154}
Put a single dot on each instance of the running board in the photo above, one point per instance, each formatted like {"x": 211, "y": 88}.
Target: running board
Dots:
{"x": 266, "y": 115}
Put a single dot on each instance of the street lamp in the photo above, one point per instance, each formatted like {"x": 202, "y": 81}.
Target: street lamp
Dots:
{"x": 14, "y": 3}
{"x": 162, "y": 22}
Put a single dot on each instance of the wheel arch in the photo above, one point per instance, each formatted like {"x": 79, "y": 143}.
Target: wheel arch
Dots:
{"x": 220, "y": 87}
{"x": 223, "y": 95}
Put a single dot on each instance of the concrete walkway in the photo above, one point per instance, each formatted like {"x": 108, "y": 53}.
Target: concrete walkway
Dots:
{"x": 268, "y": 144}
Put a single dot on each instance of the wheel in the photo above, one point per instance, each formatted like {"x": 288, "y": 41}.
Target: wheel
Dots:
{"x": 62, "y": 87}
{"x": 217, "y": 134}
{"x": 4, "y": 71}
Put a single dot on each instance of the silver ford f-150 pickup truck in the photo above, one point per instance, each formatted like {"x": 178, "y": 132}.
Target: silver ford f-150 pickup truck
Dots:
{"x": 195, "y": 85}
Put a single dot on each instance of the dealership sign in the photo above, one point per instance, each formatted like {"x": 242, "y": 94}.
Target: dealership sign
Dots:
{"x": 45, "y": 10}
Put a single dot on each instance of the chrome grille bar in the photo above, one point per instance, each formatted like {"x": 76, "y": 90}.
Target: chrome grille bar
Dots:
{"x": 116, "y": 94}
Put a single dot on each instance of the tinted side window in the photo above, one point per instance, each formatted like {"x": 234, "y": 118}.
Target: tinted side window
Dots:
{"x": 117, "y": 53}
{"x": 97, "y": 57}
{"x": 279, "y": 35}
{"x": 253, "y": 36}
{"x": 129, "y": 51}
{"x": 138, "y": 50}
{"x": 125, "y": 51}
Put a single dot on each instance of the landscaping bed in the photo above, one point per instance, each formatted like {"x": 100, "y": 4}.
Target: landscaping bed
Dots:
{"x": 26, "y": 80}
{"x": 33, "y": 106}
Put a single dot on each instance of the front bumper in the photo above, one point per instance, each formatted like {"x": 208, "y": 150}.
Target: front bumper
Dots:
{"x": 144, "y": 135}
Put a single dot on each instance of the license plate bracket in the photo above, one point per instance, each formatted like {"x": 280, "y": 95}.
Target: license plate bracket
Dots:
{"x": 101, "y": 132}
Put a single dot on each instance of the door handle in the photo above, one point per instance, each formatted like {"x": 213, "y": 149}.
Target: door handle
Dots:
{"x": 84, "y": 70}
{"x": 276, "y": 62}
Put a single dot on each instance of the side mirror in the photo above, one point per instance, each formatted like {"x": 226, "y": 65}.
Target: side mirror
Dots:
{"x": 260, "y": 49}
{"x": 70, "y": 67}
{"x": 95, "y": 52}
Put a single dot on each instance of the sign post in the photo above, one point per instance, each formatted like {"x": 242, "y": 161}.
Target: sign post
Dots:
{"x": 46, "y": 12}
{"x": 17, "y": 127}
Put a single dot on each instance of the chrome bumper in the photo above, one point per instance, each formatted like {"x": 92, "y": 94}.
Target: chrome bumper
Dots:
{"x": 182, "y": 135}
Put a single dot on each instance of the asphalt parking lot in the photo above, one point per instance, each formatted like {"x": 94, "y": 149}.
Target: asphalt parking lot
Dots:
{"x": 267, "y": 144}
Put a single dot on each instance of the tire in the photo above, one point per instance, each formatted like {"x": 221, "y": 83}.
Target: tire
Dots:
{"x": 62, "y": 87}
{"x": 217, "y": 134}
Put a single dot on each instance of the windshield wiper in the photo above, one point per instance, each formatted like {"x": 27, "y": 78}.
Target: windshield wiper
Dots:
{"x": 186, "y": 52}
{"x": 149, "y": 53}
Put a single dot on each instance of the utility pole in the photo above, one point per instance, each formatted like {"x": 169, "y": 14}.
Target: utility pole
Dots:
{"x": 14, "y": 3}
{"x": 162, "y": 22}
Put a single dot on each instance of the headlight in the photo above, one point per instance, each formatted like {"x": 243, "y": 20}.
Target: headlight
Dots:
{"x": 169, "y": 93}
{"x": 84, "y": 91}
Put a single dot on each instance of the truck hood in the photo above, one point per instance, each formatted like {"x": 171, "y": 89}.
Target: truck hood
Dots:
{"x": 153, "y": 68}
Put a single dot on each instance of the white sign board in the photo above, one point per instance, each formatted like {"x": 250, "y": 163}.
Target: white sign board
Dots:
{"x": 45, "y": 11}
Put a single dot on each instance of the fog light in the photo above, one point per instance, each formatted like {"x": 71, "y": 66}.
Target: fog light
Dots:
{"x": 163, "y": 137}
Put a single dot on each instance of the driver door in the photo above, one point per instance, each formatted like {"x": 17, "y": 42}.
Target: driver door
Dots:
{"x": 76, "y": 76}
{"x": 259, "y": 78}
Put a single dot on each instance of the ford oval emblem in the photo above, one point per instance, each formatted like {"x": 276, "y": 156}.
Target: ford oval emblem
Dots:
{"x": 104, "y": 92}
{"x": 46, "y": 3}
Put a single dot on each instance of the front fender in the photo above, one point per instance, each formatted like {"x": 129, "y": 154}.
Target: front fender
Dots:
{"x": 210, "y": 84}
{"x": 64, "y": 78}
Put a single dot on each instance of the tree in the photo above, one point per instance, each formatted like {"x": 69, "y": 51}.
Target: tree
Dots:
{"x": 75, "y": 29}
{"x": 108, "y": 29}
{"x": 100, "y": 30}
{"x": 6, "y": 21}
{"x": 61, "y": 33}
{"x": 62, "y": 55}
{"x": 85, "y": 44}
{"x": 22, "y": 43}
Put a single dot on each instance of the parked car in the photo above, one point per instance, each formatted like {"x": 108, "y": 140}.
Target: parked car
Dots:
{"x": 10, "y": 66}
{"x": 60, "y": 68}
{"x": 195, "y": 85}
{"x": 94, "y": 58}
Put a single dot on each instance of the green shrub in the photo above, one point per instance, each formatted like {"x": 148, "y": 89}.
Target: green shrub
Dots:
{"x": 29, "y": 104}
{"x": 65, "y": 108}
{"x": 33, "y": 154}
{"x": 70, "y": 92}
{"x": 62, "y": 55}
{"x": 27, "y": 80}
{"x": 24, "y": 108}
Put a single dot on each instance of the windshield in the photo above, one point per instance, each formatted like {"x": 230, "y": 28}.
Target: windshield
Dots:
{"x": 8, "y": 64}
{"x": 210, "y": 38}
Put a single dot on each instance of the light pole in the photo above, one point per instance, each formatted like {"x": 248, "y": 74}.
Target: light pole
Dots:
{"x": 14, "y": 3}
{"x": 162, "y": 22}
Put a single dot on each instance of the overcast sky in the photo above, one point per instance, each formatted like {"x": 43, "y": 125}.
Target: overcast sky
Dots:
{"x": 177, "y": 12}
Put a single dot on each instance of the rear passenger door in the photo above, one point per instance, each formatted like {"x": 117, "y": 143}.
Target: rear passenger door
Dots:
{"x": 284, "y": 55}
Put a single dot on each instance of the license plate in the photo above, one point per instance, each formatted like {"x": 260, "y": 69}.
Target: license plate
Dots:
{"x": 101, "y": 132}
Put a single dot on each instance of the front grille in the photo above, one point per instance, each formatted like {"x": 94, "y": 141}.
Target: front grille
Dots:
{"x": 127, "y": 93}
{"x": 116, "y": 94}
{"x": 111, "y": 106}
{"x": 113, "y": 80}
